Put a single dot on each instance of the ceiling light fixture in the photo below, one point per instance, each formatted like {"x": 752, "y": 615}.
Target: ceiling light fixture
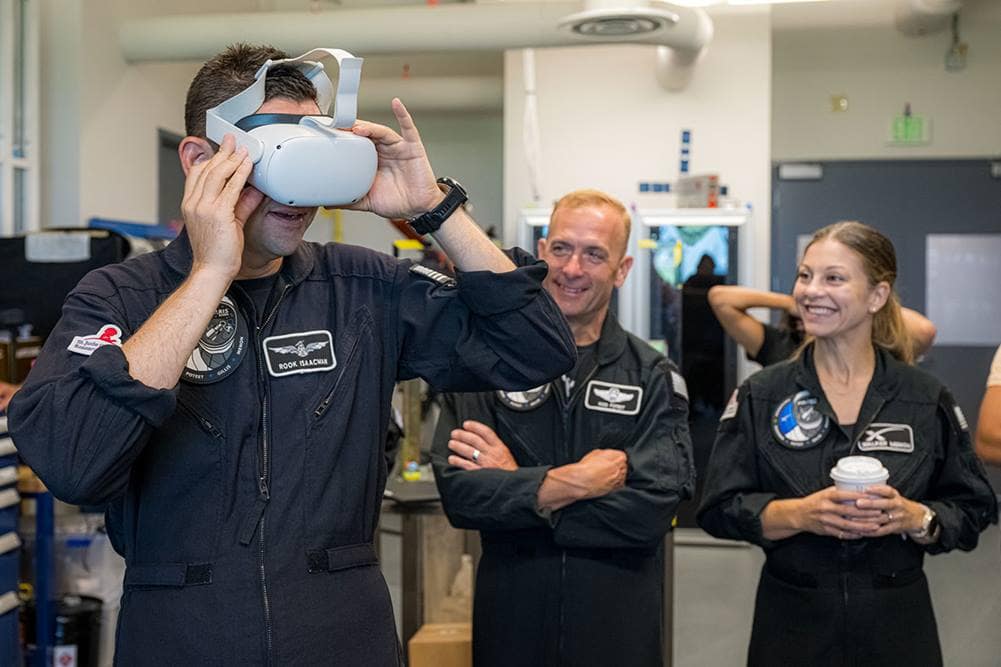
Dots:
{"x": 770, "y": 2}
{"x": 611, "y": 22}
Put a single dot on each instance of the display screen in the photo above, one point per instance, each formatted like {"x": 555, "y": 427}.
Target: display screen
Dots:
{"x": 680, "y": 250}
{"x": 690, "y": 259}
{"x": 685, "y": 262}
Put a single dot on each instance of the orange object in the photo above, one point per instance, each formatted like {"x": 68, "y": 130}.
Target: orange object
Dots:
{"x": 442, "y": 645}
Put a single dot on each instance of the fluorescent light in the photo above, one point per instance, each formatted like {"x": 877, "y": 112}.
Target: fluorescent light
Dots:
{"x": 768, "y": 2}
{"x": 692, "y": 216}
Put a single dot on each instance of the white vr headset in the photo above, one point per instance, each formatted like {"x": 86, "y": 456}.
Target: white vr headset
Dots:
{"x": 302, "y": 160}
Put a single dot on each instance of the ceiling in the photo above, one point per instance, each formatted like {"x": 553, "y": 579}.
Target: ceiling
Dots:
{"x": 786, "y": 14}
{"x": 787, "y": 17}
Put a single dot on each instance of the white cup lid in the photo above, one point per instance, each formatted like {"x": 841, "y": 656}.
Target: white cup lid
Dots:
{"x": 859, "y": 469}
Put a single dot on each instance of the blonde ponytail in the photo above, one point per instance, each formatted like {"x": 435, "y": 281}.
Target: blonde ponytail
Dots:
{"x": 879, "y": 261}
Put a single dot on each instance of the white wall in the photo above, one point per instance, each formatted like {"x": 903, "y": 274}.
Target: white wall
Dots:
{"x": 60, "y": 122}
{"x": 468, "y": 147}
{"x": 880, "y": 69}
{"x": 605, "y": 122}
{"x": 101, "y": 115}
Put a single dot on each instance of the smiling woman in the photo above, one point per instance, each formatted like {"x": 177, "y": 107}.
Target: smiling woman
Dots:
{"x": 836, "y": 566}
{"x": 845, "y": 286}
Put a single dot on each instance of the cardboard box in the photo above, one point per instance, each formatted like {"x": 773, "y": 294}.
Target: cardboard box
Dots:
{"x": 442, "y": 645}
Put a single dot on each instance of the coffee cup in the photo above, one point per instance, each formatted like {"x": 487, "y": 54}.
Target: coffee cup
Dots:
{"x": 858, "y": 473}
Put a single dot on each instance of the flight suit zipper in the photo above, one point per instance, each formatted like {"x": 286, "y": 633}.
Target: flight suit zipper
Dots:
{"x": 846, "y": 639}
{"x": 571, "y": 400}
{"x": 256, "y": 521}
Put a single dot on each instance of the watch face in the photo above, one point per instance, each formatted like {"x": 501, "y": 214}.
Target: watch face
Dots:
{"x": 453, "y": 185}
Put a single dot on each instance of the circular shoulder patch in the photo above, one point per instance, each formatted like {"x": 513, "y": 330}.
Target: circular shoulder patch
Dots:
{"x": 798, "y": 424}
{"x": 220, "y": 349}
{"x": 523, "y": 401}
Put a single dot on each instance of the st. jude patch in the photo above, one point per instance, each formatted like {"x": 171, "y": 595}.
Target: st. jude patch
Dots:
{"x": 221, "y": 348}
{"x": 798, "y": 424}
{"x": 302, "y": 352}
{"x": 109, "y": 334}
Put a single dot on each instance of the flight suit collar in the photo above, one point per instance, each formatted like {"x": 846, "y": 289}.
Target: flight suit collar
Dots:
{"x": 612, "y": 342}
{"x": 295, "y": 267}
{"x": 883, "y": 386}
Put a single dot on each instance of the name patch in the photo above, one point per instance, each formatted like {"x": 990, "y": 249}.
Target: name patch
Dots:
{"x": 304, "y": 352}
{"x": 109, "y": 334}
{"x": 619, "y": 399}
{"x": 888, "y": 438}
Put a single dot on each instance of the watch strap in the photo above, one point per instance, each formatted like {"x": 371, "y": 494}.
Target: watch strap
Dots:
{"x": 431, "y": 221}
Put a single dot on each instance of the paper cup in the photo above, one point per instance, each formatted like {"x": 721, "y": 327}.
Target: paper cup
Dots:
{"x": 858, "y": 473}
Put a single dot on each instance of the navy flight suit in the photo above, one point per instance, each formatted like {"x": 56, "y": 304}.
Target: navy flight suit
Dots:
{"x": 245, "y": 499}
{"x": 582, "y": 587}
{"x": 852, "y": 603}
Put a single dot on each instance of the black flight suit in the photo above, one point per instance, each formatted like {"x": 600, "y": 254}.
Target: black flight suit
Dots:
{"x": 245, "y": 499}
{"x": 822, "y": 601}
{"x": 777, "y": 346}
{"x": 583, "y": 586}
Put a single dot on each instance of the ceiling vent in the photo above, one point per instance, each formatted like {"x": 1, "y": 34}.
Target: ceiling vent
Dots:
{"x": 606, "y": 21}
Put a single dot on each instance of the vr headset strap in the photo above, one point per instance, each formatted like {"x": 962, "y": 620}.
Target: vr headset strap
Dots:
{"x": 220, "y": 119}
{"x": 345, "y": 109}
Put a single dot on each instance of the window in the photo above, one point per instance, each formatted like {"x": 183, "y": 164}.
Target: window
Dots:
{"x": 18, "y": 116}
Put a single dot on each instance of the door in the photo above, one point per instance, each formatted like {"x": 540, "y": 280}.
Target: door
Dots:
{"x": 907, "y": 200}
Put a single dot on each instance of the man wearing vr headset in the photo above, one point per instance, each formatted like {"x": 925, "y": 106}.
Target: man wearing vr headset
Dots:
{"x": 228, "y": 397}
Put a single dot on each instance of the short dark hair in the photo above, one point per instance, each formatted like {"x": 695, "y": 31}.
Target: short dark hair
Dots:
{"x": 230, "y": 72}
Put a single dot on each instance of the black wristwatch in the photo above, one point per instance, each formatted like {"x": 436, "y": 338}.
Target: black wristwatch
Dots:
{"x": 430, "y": 222}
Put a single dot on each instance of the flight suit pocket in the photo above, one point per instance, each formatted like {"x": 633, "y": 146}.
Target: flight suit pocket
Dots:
{"x": 342, "y": 558}
{"x": 177, "y": 502}
{"x": 343, "y": 452}
{"x": 349, "y": 348}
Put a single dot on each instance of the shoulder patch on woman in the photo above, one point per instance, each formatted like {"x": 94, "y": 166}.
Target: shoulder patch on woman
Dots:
{"x": 678, "y": 385}
{"x": 730, "y": 411}
{"x": 960, "y": 417}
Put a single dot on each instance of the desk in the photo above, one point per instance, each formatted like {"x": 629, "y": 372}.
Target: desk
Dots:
{"x": 427, "y": 566}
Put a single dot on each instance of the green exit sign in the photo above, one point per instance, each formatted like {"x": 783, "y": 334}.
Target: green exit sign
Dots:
{"x": 910, "y": 130}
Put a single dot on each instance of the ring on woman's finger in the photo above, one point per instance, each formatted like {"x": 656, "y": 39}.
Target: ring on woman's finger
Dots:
{"x": 841, "y": 534}
{"x": 476, "y": 455}
{"x": 889, "y": 516}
